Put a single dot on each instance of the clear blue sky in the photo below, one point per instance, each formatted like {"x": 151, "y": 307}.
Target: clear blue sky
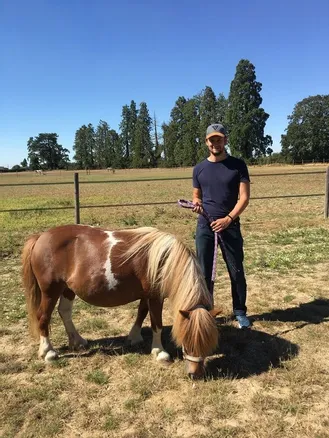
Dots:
{"x": 73, "y": 62}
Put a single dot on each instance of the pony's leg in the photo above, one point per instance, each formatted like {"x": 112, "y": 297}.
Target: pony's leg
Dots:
{"x": 155, "y": 307}
{"x": 65, "y": 311}
{"x": 48, "y": 302}
{"x": 135, "y": 336}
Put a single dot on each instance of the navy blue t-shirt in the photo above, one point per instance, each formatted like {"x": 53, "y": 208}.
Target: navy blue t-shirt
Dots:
{"x": 219, "y": 183}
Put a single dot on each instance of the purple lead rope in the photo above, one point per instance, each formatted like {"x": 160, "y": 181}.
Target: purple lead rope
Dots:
{"x": 217, "y": 237}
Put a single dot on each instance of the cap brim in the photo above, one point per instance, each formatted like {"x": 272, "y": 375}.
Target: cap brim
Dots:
{"x": 213, "y": 134}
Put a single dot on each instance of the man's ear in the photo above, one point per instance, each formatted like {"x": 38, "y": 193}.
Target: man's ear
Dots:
{"x": 185, "y": 313}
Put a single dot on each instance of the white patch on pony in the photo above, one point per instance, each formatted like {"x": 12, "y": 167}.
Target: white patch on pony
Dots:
{"x": 135, "y": 336}
{"x": 46, "y": 350}
{"x": 111, "y": 280}
{"x": 65, "y": 310}
{"x": 157, "y": 348}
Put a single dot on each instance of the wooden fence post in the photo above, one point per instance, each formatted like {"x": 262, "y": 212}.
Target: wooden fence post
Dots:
{"x": 326, "y": 198}
{"x": 76, "y": 198}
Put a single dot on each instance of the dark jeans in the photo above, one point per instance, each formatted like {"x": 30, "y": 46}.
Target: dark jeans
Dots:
{"x": 232, "y": 252}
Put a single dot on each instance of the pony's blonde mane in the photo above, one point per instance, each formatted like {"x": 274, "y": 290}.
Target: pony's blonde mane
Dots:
{"x": 174, "y": 272}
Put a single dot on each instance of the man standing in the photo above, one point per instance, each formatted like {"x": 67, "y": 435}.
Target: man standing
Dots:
{"x": 221, "y": 188}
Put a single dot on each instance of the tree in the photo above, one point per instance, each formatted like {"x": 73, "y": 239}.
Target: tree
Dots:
{"x": 44, "y": 152}
{"x": 24, "y": 163}
{"x": 190, "y": 134}
{"x": 221, "y": 109}
{"x": 84, "y": 146}
{"x": 132, "y": 124}
{"x": 173, "y": 134}
{"x": 244, "y": 118}
{"x": 103, "y": 148}
{"x": 124, "y": 135}
{"x": 208, "y": 115}
{"x": 169, "y": 140}
{"x": 307, "y": 134}
{"x": 158, "y": 148}
{"x": 143, "y": 151}
{"x": 127, "y": 128}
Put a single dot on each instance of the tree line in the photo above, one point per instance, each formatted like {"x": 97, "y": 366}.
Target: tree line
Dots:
{"x": 142, "y": 142}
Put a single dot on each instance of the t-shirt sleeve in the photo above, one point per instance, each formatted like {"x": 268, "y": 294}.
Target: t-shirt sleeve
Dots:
{"x": 196, "y": 184}
{"x": 243, "y": 172}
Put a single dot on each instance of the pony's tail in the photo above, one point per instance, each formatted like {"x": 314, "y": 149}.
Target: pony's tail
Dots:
{"x": 31, "y": 287}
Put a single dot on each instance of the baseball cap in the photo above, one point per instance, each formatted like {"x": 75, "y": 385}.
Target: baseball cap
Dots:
{"x": 215, "y": 129}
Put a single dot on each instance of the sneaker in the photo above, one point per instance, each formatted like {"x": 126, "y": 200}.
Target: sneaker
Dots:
{"x": 243, "y": 321}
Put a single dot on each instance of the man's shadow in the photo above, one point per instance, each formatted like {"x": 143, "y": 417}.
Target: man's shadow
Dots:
{"x": 243, "y": 353}
{"x": 314, "y": 312}
{"x": 254, "y": 352}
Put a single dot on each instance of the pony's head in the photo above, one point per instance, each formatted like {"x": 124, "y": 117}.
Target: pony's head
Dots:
{"x": 198, "y": 338}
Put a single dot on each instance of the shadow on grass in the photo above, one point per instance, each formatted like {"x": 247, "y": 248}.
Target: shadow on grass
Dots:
{"x": 242, "y": 353}
{"x": 314, "y": 312}
{"x": 253, "y": 352}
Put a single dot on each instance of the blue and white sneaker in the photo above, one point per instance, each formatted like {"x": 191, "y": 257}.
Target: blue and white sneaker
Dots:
{"x": 243, "y": 321}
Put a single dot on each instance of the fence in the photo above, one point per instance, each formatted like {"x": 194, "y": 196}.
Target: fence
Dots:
{"x": 77, "y": 205}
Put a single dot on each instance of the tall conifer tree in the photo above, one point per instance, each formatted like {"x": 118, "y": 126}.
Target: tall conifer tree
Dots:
{"x": 245, "y": 119}
{"x": 142, "y": 146}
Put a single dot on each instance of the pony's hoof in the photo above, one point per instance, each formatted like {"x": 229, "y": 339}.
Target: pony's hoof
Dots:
{"x": 164, "y": 358}
{"x": 51, "y": 356}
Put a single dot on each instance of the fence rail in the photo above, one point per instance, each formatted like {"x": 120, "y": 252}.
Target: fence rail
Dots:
{"x": 77, "y": 205}
{"x": 145, "y": 180}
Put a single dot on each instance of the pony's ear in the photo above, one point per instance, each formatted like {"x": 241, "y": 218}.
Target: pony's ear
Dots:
{"x": 216, "y": 311}
{"x": 185, "y": 313}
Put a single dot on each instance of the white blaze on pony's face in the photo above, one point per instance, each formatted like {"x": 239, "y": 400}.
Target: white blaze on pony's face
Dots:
{"x": 111, "y": 280}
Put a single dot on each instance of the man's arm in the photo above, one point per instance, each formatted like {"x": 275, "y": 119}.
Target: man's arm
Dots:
{"x": 243, "y": 201}
{"x": 197, "y": 200}
{"x": 244, "y": 196}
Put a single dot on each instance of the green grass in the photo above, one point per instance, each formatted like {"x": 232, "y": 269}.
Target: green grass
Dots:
{"x": 271, "y": 381}
{"x": 98, "y": 377}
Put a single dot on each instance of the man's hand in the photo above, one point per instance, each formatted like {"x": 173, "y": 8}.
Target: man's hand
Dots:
{"x": 198, "y": 208}
{"x": 220, "y": 224}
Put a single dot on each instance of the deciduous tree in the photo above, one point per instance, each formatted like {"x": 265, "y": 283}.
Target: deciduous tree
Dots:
{"x": 307, "y": 134}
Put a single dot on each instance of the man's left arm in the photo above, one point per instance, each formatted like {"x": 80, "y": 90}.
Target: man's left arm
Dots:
{"x": 240, "y": 206}
{"x": 243, "y": 201}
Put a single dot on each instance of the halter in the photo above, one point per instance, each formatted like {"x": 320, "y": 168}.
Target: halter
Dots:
{"x": 195, "y": 359}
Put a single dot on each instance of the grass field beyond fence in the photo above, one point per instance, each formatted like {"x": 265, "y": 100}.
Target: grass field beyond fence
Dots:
{"x": 268, "y": 382}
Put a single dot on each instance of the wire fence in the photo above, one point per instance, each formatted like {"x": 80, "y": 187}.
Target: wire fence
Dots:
{"x": 77, "y": 183}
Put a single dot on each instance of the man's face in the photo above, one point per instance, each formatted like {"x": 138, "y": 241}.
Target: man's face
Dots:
{"x": 216, "y": 144}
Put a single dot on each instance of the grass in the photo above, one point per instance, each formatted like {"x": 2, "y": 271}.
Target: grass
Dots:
{"x": 271, "y": 381}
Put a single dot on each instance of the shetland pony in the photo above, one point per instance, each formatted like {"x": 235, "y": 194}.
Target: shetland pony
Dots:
{"x": 111, "y": 268}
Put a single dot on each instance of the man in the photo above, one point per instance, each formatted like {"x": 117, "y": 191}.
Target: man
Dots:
{"x": 221, "y": 188}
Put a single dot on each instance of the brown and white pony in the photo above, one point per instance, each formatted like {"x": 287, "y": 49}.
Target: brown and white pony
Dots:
{"x": 112, "y": 268}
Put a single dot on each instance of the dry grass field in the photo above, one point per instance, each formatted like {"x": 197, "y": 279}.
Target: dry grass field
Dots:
{"x": 270, "y": 381}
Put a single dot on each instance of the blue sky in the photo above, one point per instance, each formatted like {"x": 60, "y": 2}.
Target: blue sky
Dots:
{"x": 69, "y": 63}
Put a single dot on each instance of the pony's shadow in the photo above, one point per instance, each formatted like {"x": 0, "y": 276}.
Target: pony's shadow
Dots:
{"x": 118, "y": 345}
{"x": 239, "y": 354}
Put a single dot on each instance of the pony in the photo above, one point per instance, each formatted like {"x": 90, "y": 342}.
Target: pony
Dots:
{"x": 112, "y": 268}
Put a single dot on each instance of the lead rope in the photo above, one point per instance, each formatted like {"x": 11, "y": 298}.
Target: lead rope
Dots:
{"x": 218, "y": 240}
